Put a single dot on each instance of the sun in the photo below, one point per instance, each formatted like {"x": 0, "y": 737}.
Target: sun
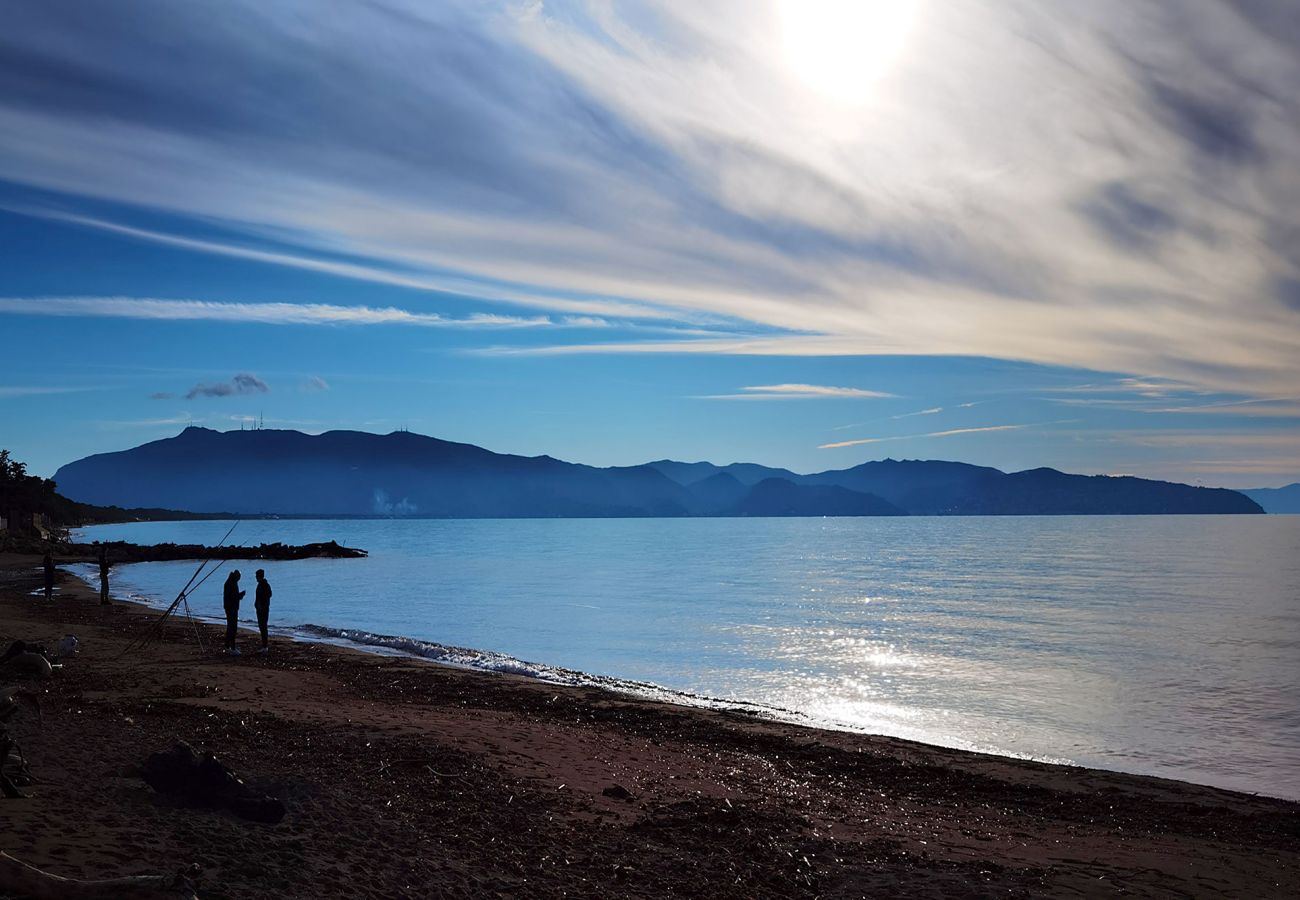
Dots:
{"x": 839, "y": 48}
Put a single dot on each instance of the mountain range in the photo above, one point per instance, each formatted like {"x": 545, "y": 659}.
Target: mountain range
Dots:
{"x": 1277, "y": 500}
{"x": 352, "y": 473}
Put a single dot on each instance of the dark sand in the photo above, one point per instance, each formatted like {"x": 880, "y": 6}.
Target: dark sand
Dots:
{"x": 404, "y": 778}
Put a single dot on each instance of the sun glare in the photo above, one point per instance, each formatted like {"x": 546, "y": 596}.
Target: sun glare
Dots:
{"x": 839, "y": 48}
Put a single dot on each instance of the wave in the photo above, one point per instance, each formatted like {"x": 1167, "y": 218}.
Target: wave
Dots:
{"x": 491, "y": 661}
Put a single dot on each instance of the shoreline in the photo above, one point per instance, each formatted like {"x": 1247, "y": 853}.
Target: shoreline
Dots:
{"x": 486, "y": 661}
{"x": 404, "y": 777}
{"x": 497, "y": 662}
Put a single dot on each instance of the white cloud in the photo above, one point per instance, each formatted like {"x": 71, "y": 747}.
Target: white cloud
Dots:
{"x": 798, "y": 392}
{"x": 263, "y": 313}
{"x": 910, "y": 437}
{"x": 934, "y": 410}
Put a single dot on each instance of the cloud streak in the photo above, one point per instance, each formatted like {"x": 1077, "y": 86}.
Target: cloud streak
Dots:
{"x": 259, "y": 313}
{"x": 37, "y": 390}
{"x": 798, "y": 392}
{"x": 659, "y": 161}
{"x": 909, "y": 437}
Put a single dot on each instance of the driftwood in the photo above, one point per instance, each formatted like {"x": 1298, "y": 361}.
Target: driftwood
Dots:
{"x": 199, "y": 778}
{"x": 21, "y": 880}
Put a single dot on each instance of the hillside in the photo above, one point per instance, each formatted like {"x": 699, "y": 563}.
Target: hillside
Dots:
{"x": 350, "y": 473}
{"x": 1277, "y": 500}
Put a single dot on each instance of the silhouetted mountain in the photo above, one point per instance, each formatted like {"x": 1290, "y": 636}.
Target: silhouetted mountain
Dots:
{"x": 781, "y": 497}
{"x": 925, "y": 488}
{"x": 745, "y": 473}
{"x": 935, "y": 487}
{"x": 1276, "y": 500}
{"x": 357, "y": 473}
{"x": 716, "y": 493}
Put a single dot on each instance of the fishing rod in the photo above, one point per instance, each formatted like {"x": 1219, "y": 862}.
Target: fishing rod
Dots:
{"x": 182, "y": 598}
{"x": 185, "y": 599}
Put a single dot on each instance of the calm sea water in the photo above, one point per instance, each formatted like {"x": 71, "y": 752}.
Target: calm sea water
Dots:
{"x": 1157, "y": 645}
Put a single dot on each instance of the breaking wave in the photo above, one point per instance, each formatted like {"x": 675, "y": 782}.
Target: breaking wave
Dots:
{"x": 491, "y": 661}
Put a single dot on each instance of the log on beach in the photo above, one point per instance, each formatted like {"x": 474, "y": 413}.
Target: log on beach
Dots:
{"x": 21, "y": 880}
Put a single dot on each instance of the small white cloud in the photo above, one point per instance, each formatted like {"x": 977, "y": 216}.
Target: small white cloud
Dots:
{"x": 932, "y": 434}
{"x": 921, "y": 412}
{"x": 797, "y": 392}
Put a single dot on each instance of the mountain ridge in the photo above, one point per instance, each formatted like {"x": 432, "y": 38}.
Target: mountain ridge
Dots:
{"x": 285, "y": 472}
{"x": 1285, "y": 499}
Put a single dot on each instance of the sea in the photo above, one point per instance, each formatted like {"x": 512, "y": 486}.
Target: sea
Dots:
{"x": 1160, "y": 645}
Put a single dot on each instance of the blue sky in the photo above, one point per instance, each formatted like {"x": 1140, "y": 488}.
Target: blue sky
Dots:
{"x": 804, "y": 234}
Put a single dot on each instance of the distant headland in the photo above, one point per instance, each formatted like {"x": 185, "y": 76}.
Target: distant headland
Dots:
{"x": 351, "y": 473}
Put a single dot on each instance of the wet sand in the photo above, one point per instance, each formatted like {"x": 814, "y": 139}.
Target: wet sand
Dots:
{"x": 405, "y": 778}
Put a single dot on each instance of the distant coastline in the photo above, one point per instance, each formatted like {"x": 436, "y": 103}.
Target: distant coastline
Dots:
{"x": 349, "y": 474}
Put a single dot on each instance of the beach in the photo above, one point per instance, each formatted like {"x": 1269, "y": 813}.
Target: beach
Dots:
{"x": 405, "y": 778}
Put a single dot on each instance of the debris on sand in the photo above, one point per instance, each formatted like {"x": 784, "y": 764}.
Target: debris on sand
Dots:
{"x": 199, "y": 778}
{"x": 22, "y": 880}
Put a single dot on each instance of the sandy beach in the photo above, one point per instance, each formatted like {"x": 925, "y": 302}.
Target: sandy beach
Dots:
{"x": 405, "y": 778}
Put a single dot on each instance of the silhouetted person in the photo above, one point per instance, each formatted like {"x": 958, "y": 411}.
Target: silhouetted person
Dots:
{"x": 262, "y": 603}
{"x": 104, "y": 566}
{"x": 230, "y": 597}
{"x": 49, "y": 576}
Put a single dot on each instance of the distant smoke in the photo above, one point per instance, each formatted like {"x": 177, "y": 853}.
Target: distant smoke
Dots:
{"x": 384, "y": 506}
{"x": 315, "y": 384}
{"x": 243, "y": 383}
{"x": 162, "y": 395}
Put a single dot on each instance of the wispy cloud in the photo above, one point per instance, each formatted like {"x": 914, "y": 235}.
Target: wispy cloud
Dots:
{"x": 1142, "y": 387}
{"x": 242, "y": 383}
{"x": 934, "y": 410}
{"x": 24, "y": 390}
{"x": 479, "y": 289}
{"x": 314, "y": 384}
{"x": 263, "y": 313}
{"x": 798, "y": 392}
{"x": 181, "y": 419}
{"x": 1285, "y": 440}
{"x": 910, "y": 437}
{"x": 666, "y": 161}
{"x": 1282, "y": 407}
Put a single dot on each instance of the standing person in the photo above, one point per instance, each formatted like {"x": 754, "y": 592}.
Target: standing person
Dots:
{"x": 49, "y": 576}
{"x": 104, "y": 566}
{"x": 262, "y": 603}
{"x": 230, "y": 596}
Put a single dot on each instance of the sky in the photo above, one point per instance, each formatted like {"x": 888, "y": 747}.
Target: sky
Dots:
{"x": 806, "y": 234}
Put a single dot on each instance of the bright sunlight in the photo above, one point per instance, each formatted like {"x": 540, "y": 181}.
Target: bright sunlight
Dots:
{"x": 839, "y": 48}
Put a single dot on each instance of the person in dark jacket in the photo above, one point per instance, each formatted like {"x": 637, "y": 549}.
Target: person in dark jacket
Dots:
{"x": 262, "y": 603}
{"x": 48, "y": 562}
{"x": 104, "y": 566}
{"x": 230, "y": 597}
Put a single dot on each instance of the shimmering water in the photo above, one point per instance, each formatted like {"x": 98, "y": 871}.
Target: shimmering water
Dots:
{"x": 1159, "y": 645}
